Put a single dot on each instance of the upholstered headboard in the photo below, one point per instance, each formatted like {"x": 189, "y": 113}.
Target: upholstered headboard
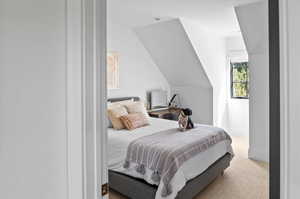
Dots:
{"x": 122, "y": 99}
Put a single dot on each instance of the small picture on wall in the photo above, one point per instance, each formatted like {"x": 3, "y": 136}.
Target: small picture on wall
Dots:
{"x": 113, "y": 81}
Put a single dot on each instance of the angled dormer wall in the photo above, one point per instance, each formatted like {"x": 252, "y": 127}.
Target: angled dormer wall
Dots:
{"x": 253, "y": 20}
{"x": 211, "y": 51}
{"x": 171, "y": 49}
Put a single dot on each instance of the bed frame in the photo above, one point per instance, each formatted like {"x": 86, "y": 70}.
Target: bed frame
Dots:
{"x": 137, "y": 188}
{"x": 123, "y": 99}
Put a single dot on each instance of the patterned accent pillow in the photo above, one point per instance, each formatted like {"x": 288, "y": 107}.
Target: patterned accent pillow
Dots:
{"x": 114, "y": 114}
{"x": 111, "y": 105}
{"x": 134, "y": 120}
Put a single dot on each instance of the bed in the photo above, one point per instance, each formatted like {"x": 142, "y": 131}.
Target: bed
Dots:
{"x": 190, "y": 179}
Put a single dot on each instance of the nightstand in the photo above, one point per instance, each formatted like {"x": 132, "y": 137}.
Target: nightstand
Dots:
{"x": 168, "y": 113}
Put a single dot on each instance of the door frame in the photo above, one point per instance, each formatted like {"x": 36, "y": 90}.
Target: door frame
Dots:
{"x": 87, "y": 98}
{"x": 281, "y": 57}
{"x": 276, "y": 145}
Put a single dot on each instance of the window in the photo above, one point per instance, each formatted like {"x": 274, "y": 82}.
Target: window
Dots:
{"x": 239, "y": 80}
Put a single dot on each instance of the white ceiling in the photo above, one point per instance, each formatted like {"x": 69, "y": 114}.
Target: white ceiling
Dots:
{"x": 215, "y": 15}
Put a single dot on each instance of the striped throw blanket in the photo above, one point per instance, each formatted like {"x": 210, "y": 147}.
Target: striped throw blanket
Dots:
{"x": 165, "y": 152}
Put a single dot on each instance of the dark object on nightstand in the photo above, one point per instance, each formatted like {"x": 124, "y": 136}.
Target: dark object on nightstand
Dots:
{"x": 169, "y": 113}
{"x": 170, "y": 116}
{"x": 172, "y": 102}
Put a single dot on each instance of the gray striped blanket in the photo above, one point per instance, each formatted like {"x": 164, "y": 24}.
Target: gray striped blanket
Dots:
{"x": 165, "y": 152}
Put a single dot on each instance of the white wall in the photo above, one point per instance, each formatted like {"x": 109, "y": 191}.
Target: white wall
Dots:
{"x": 169, "y": 46}
{"x": 238, "y": 116}
{"x": 199, "y": 99}
{"x": 253, "y": 19}
{"x": 238, "y": 109}
{"x": 290, "y": 95}
{"x": 211, "y": 50}
{"x": 214, "y": 52}
{"x": 32, "y": 100}
{"x": 138, "y": 72}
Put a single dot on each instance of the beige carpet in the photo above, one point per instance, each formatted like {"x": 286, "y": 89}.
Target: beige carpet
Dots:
{"x": 244, "y": 179}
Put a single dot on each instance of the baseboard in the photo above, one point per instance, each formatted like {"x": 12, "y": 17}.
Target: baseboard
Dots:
{"x": 259, "y": 155}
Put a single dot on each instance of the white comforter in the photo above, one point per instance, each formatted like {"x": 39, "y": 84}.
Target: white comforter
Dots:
{"x": 118, "y": 142}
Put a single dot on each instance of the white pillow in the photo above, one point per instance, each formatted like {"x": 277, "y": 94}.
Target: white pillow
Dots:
{"x": 137, "y": 107}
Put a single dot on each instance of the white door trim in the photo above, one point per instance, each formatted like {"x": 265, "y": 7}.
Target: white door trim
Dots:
{"x": 284, "y": 93}
{"x": 86, "y": 98}
{"x": 74, "y": 98}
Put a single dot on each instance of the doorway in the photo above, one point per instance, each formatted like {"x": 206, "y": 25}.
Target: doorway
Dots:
{"x": 274, "y": 101}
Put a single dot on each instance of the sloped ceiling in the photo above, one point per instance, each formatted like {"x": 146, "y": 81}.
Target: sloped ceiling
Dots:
{"x": 172, "y": 51}
{"x": 253, "y": 22}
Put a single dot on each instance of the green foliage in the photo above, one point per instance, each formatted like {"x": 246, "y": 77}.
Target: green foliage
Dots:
{"x": 240, "y": 79}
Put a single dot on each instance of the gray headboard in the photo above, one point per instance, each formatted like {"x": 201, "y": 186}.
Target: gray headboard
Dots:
{"x": 122, "y": 99}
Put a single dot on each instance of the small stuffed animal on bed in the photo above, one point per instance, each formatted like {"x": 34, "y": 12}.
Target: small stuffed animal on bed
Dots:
{"x": 184, "y": 120}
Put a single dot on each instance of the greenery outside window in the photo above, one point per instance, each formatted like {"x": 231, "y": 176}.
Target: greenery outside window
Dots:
{"x": 239, "y": 80}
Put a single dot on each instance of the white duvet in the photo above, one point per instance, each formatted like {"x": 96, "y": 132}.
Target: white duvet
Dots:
{"x": 118, "y": 142}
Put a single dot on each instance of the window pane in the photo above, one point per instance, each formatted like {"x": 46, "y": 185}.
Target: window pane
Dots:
{"x": 240, "y": 72}
{"x": 240, "y": 90}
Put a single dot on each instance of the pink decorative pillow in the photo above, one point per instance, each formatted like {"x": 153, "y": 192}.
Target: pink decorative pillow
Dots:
{"x": 134, "y": 120}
